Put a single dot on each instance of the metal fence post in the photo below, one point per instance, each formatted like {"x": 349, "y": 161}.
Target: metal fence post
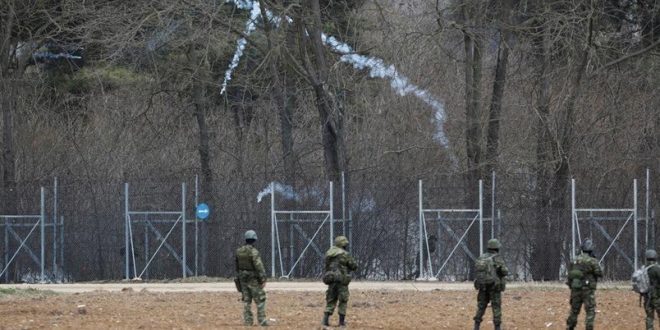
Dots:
{"x": 272, "y": 229}
{"x": 481, "y": 217}
{"x": 646, "y": 215}
{"x": 42, "y": 225}
{"x": 635, "y": 220}
{"x": 573, "y": 218}
{"x": 6, "y": 247}
{"x": 62, "y": 243}
{"x": 492, "y": 208}
{"x": 196, "y": 222}
{"x": 332, "y": 216}
{"x": 126, "y": 224}
{"x": 421, "y": 228}
{"x": 183, "y": 229}
{"x": 54, "y": 224}
{"x": 343, "y": 204}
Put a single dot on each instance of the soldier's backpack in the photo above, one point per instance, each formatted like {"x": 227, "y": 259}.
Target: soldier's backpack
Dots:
{"x": 485, "y": 271}
{"x": 332, "y": 275}
{"x": 576, "y": 274}
{"x": 640, "y": 280}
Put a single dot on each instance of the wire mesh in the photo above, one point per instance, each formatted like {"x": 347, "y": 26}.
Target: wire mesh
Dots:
{"x": 381, "y": 212}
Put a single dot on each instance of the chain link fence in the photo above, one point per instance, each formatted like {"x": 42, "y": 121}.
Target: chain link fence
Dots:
{"x": 85, "y": 230}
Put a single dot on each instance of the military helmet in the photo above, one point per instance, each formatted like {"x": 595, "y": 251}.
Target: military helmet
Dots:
{"x": 651, "y": 254}
{"x": 251, "y": 234}
{"x": 494, "y": 244}
{"x": 341, "y": 241}
{"x": 587, "y": 245}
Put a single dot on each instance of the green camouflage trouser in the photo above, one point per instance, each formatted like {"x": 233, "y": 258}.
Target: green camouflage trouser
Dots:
{"x": 337, "y": 292}
{"x": 253, "y": 291}
{"x": 651, "y": 307}
{"x": 494, "y": 296}
{"x": 579, "y": 297}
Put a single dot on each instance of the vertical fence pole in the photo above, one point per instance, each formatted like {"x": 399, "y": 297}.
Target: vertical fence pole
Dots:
{"x": 499, "y": 223}
{"x": 421, "y": 229}
{"x": 492, "y": 208}
{"x": 126, "y": 224}
{"x": 42, "y": 225}
{"x": 350, "y": 230}
{"x": 146, "y": 243}
{"x": 6, "y": 248}
{"x": 183, "y": 229}
{"x": 573, "y": 219}
{"x": 291, "y": 255}
{"x": 54, "y": 224}
{"x": 343, "y": 204}
{"x": 196, "y": 222}
{"x": 481, "y": 217}
{"x": 635, "y": 218}
{"x": 62, "y": 243}
{"x": 332, "y": 216}
{"x": 272, "y": 229}
{"x": 646, "y": 215}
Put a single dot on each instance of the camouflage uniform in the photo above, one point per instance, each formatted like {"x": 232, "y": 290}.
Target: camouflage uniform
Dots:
{"x": 252, "y": 276}
{"x": 493, "y": 292}
{"x": 586, "y": 294}
{"x": 337, "y": 293}
{"x": 652, "y": 299}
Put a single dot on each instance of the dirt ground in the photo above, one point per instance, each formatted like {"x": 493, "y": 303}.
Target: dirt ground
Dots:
{"x": 524, "y": 307}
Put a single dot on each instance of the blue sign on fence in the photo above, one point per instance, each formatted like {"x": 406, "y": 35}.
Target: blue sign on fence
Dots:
{"x": 203, "y": 211}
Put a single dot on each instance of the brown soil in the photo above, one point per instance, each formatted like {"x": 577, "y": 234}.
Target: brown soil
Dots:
{"x": 534, "y": 308}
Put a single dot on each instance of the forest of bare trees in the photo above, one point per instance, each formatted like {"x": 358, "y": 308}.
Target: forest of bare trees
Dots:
{"x": 388, "y": 92}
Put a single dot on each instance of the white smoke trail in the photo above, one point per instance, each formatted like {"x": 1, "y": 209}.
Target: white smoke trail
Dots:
{"x": 283, "y": 189}
{"x": 377, "y": 68}
{"x": 250, "y": 26}
{"x": 398, "y": 82}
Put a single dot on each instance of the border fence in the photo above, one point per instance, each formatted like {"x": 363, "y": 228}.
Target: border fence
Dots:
{"x": 426, "y": 228}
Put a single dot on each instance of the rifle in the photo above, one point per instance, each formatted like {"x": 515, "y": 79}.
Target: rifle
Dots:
{"x": 647, "y": 295}
{"x": 237, "y": 282}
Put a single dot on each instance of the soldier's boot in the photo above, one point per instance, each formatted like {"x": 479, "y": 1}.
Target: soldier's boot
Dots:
{"x": 498, "y": 327}
{"x": 476, "y": 325}
{"x": 342, "y": 321}
{"x": 326, "y": 320}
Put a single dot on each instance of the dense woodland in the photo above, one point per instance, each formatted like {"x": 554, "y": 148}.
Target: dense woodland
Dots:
{"x": 98, "y": 93}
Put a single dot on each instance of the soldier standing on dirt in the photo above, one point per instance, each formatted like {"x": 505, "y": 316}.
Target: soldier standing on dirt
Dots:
{"x": 652, "y": 298}
{"x": 252, "y": 279}
{"x": 490, "y": 281}
{"x": 338, "y": 265}
{"x": 583, "y": 275}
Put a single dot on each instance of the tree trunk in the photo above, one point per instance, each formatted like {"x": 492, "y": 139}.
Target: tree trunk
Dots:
{"x": 495, "y": 110}
{"x": 200, "y": 104}
{"x": 553, "y": 167}
{"x": 317, "y": 69}
{"x": 544, "y": 144}
{"x": 8, "y": 104}
{"x": 284, "y": 99}
{"x": 208, "y": 193}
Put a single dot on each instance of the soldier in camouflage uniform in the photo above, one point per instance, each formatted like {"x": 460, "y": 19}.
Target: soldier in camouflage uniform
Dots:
{"x": 337, "y": 258}
{"x": 652, "y": 298}
{"x": 252, "y": 277}
{"x": 583, "y": 275}
{"x": 492, "y": 292}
